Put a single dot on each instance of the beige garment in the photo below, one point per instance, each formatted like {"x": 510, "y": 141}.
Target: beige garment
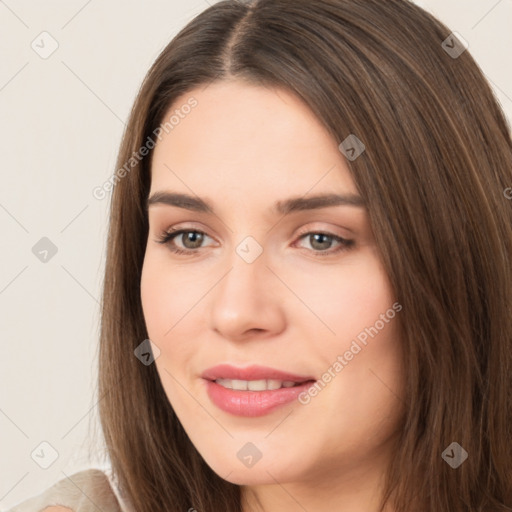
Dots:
{"x": 85, "y": 491}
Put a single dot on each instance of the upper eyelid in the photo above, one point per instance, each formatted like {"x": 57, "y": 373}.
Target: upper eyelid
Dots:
{"x": 329, "y": 230}
{"x": 354, "y": 219}
{"x": 173, "y": 229}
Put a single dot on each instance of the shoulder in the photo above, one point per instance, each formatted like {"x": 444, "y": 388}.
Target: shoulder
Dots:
{"x": 85, "y": 491}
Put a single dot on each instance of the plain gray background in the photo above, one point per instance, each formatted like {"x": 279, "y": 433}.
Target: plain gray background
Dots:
{"x": 62, "y": 119}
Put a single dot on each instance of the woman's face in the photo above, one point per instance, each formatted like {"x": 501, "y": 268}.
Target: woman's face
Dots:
{"x": 294, "y": 287}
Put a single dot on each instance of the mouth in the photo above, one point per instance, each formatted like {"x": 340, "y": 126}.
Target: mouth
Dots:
{"x": 253, "y": 391}
{"x": 257, "y": 385}
{"x": 253, "y": 374}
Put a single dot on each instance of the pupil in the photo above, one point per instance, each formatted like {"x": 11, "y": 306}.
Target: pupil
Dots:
{"x": 320, "y": 236}
{"x": 195, "y": 238}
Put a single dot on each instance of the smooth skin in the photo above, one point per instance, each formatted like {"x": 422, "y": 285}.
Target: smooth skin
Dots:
{"x": 296, "y": 307}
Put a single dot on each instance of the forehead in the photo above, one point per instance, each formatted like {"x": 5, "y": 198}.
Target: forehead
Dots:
{"x": 247, "y": 139}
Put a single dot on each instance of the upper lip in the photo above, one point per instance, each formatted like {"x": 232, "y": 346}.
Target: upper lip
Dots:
{"x": 254, "y": 372}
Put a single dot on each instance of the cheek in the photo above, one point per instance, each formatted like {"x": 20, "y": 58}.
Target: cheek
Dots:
{"x": 167, "y": 295}
{"x": 153, "y": 299}
{"x": 345, "y": 299}
{"x": 356, "y": 320}
{"x": 170, "y": 302}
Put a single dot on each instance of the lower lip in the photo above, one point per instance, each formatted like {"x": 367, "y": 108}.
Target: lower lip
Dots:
{"x": 252, "y": 403}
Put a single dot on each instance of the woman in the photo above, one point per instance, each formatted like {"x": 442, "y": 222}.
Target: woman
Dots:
{"x": 334, "y": 331}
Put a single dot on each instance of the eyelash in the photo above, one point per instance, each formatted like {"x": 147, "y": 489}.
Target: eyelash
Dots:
{"x": 168, "y": 236}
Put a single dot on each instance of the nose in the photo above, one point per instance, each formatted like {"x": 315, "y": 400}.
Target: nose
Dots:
{"x": 246, "y": 302}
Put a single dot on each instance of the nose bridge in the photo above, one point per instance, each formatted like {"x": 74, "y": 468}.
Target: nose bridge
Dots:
{"x": 244, "y": 298}
{"x": 247, "y": 272}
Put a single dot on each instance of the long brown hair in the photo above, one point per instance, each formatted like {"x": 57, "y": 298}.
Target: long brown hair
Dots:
{"x": 437, "y": 160}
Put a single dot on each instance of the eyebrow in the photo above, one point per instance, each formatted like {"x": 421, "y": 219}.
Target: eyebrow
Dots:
{"x": 292, "y": 204}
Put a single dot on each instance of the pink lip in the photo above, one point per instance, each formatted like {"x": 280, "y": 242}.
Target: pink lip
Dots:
{"x": 252, "y": 403}
{"x": 254, "y": 372}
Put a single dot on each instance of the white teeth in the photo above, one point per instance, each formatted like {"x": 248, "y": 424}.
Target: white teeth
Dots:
{"x": 255, "y": 385}
{"x": 273, "y": 384}
{"x": 239, "y": 385}
{"x": 225, "y": 383}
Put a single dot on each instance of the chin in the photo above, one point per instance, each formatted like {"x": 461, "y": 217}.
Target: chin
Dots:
{"x": 260, "y": 473}
{"x": 249, "y": 476}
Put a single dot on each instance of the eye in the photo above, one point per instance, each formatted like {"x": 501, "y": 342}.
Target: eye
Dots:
{"x": 321, "y": 242}
{"x": 191, "y": 242}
